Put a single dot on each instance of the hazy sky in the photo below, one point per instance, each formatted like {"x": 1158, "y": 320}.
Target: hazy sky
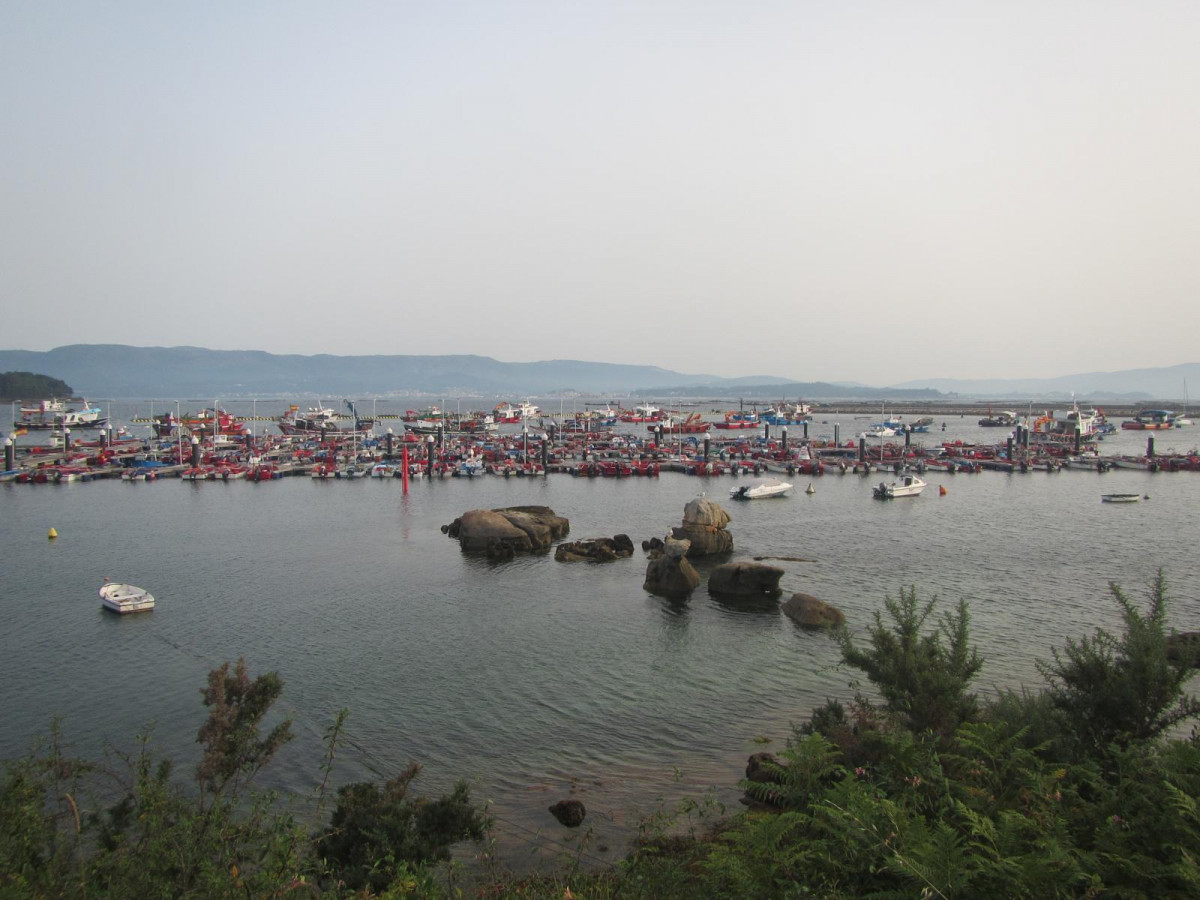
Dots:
{"x": 822, "y": 191}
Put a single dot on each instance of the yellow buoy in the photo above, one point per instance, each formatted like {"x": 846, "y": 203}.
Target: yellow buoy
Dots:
{"x": 810, "y": 489}
{"x": 52, "y": 535}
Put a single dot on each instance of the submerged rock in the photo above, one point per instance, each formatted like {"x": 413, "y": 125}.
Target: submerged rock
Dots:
{"x": 595, "y": 549}
{"x": 569, "y": 812}
{"x": 743, "y": 579}
{"x": 809, "y": 612}
{"x": 1184, "y": 647}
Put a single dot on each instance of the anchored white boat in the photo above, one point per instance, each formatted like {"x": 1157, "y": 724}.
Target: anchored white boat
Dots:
{"x": 1120, "y": 498}
{"x": 758, "y": 490}
{"x": 125, "y": 598}
{"x": 907, "y": 486}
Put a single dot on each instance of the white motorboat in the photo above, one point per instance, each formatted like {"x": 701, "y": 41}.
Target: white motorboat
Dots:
{"x": 1120, "y": 498}
{"x": 878, "y": 430}
{"x": 907, "y": 486}
{"x": 125, "y": 598}
{"x": 757, "y": 490}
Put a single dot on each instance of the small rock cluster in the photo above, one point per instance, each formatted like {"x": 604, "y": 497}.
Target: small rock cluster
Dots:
{"x": 600, "y": 549}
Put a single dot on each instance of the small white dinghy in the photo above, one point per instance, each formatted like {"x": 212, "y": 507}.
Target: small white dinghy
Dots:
{"x": 125, "y": 598}
{"x": 767, "y": 487}
{"x": 1120, "y": 498}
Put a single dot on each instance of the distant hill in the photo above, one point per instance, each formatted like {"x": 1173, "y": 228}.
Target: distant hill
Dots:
{"x": 114, "y": 370}
{"x": 1166, "y": 383}
{"x": 792, "y": 390}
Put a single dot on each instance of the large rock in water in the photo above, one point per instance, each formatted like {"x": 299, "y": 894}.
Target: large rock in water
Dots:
{"x": 809, "y": 612}
{"x": 743, "y": 579}
{"x": 668, "y": 573}
{"x": 704, "y": 527}
{"x": 514, "y": 529}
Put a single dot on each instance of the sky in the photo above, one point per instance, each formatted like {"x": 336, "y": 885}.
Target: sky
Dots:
{"x": 859, "y": 191}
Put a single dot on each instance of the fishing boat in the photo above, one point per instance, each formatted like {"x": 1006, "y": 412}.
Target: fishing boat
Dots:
{"x": 643, "y": 413}
{"x": 787, "y": 414}
{"x": 907, "y": 486}
{"x": 1120, "y": 498}
{"x": 214, "y": 421}
{"x": 425, "y": 426}
{"x": 693, "y": 424}
{"x": 921, "y": 425}
{"x": 315, "y": 420}
{"x": 760, "y": 490}
{"x": 1005, "y": 419}
{"x": 125, "y": 598}
{"x": 508, "y": 414}
{"x": 738, "y": 420}
{"x": 479, "y": 423}
{"x": 1067, "y": 423}
{"x": 1150, "y": 420}
{"x": 56, "y": 414}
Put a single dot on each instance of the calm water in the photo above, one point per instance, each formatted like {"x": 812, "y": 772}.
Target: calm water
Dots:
{"x": 535, "y": 678}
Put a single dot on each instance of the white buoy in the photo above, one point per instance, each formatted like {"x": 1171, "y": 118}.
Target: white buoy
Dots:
{"x": 810, "y": 489}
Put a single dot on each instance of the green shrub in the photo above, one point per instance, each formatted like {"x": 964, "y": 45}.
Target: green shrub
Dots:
{"x": 922, "y": 679}
{"x": 375, "y": 832}
{"x": 1119, "y": 690}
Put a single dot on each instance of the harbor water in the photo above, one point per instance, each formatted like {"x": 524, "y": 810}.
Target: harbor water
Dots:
{"x": 536, "y": 679}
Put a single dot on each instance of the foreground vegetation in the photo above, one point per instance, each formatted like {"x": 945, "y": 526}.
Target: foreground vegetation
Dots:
{"x": 1082, "y": 790}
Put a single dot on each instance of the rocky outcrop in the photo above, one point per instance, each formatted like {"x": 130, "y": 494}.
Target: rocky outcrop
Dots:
{"x": 595, "y": 549}
{"x": 745, "y": 580}
{"x": 809, "y": 612}
{"x": 652, "y": 544}
{"x": 504, "y": 532}
{"x": 669, "y": 574}
{"x": 704, "y": 527}
{"x": 763, "y": 767}
{"x": 569, "y": 812}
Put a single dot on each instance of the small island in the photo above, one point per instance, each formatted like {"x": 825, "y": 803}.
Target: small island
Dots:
{"x": 31, "y": 386}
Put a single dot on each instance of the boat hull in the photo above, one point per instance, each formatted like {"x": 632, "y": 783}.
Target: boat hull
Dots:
{"x": 125, "y": 598}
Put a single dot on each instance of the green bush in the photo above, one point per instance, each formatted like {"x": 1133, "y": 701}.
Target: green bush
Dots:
{"x": 72, "y": 829}
{"x": 375, "y": 832}
{"x": 922, "y": 679}
{"x": 1122, "y": 689}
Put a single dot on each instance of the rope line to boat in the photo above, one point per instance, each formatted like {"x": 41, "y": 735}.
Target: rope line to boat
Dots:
{"x": 536, "y": 839}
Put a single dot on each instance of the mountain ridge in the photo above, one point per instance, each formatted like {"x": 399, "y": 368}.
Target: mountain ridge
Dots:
{"x": 119, "y": 370}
